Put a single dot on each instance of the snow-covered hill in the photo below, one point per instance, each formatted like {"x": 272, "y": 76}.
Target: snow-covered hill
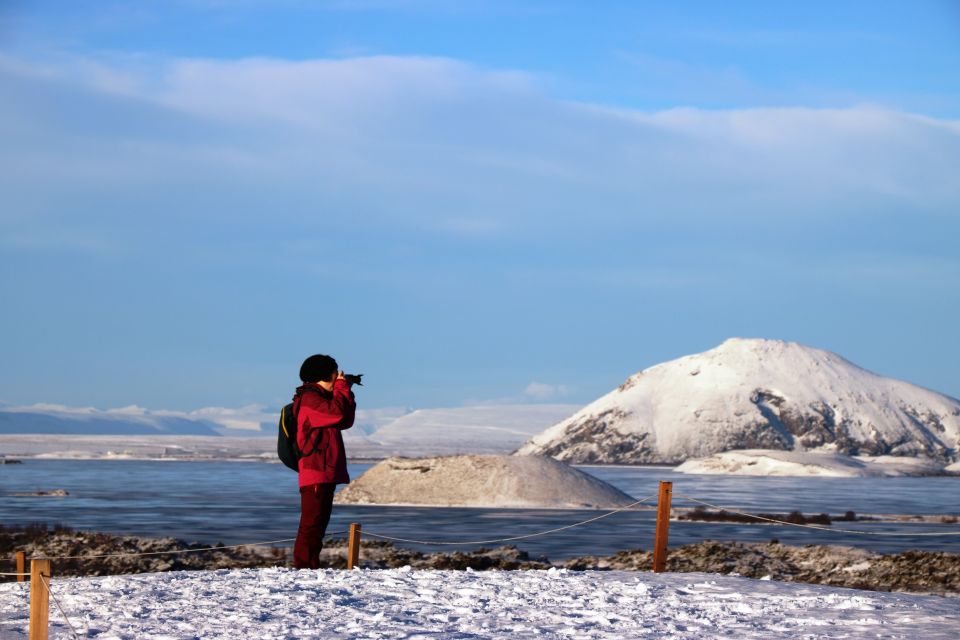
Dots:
{"x": 482, "y": 481}
{"x": 755, "y": 394}
{"x": 476, "y": 429}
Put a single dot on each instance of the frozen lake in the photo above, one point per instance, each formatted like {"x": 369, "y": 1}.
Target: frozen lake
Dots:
{"x": 238, "y": 502}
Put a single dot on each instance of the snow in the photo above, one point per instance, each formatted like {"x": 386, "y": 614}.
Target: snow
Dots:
{"x": 402, "y": 603}
{"x": 482, "y": 481}
{"x": 755, "y": 394}
{"x": 768, "y": 462}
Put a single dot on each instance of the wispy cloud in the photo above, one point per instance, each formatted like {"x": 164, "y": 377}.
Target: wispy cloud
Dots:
{"x": 454, "y": 147}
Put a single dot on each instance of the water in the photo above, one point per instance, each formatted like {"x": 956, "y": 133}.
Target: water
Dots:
{"x": 239, "y": 502}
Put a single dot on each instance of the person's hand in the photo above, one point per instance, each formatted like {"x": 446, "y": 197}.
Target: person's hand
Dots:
{"x": 340, "y": 375}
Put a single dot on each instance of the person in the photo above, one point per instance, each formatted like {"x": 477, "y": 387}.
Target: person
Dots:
{"x": 324, "y": 405}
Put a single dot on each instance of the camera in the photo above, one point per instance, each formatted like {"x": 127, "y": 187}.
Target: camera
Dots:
{"x": 354, "y": 378}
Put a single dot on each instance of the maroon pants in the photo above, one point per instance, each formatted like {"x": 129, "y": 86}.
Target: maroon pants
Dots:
{"x": 316, "y": 503}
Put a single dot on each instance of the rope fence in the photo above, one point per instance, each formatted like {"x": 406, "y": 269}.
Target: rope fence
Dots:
{"x": 40, "y": 591}
{"x": 60, "y": 608}
{"x": 170, "y": 552}
{"x": 513, "y": 538}
{"x": 159, "y": 553}
{"x": 817, "y": 526}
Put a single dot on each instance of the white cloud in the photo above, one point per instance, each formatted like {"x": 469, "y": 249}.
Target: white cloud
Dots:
{"x": 540, "y": 391}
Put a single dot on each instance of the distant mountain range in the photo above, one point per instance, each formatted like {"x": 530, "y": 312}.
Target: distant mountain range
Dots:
{"x": 755, "y": 394}
{"x": 53, "y": 419}
{"x": 376, "y": 432}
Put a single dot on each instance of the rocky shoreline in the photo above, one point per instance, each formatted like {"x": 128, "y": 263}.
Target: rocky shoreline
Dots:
{"x": 910, "y": 571}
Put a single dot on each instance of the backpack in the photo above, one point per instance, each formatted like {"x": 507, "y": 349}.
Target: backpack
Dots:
{"x": 287, "y": 448}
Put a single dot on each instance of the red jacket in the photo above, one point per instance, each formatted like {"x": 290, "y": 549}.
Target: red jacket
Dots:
{"x": 321, "y": 416}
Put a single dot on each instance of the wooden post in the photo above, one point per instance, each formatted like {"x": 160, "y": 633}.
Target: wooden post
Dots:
{"x": 663, "y": 527}
{"x": 39, "y": 599}
{"x": 21, "y": 566}
{"x": 353, "y": 551}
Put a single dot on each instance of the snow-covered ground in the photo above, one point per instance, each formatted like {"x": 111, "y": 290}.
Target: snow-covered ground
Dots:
{"x": 404, "y": 603}
{"x": 769, "y": 462}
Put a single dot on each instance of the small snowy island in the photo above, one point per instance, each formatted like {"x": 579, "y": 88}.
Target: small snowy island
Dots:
{"x": 482, "y": 481}
{"x": 771, "y": 462}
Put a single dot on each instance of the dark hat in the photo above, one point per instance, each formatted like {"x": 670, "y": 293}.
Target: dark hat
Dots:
{"x": 318, "y": 367}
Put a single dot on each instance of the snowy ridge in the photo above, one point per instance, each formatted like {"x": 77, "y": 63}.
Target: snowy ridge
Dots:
{"x": 755, "y": 394}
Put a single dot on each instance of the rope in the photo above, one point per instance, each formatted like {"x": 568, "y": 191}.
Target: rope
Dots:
{"x": 819, "y": 527}
{"x": 14, "y": 574}
{"x": 523, "y": 537}
{"x": 496, "y": 540}
{"x": 57, "y": 602}
{"x": 175, "y": 552}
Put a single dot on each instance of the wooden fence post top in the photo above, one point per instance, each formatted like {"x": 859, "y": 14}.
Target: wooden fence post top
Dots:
{"x": 21, "y": 565}
{"x": 353, "y": 548}
{"x": 40, "y": 566}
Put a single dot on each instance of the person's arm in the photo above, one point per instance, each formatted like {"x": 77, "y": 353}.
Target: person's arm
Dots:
{"x": 319, "y": 412}
{"x": 346, "y": 404}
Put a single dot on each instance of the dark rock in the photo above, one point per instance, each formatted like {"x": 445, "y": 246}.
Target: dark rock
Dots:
{"x": 910, "y": 571}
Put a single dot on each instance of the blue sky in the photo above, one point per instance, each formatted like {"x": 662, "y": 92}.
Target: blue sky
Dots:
{"x": 469, "y": 201}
